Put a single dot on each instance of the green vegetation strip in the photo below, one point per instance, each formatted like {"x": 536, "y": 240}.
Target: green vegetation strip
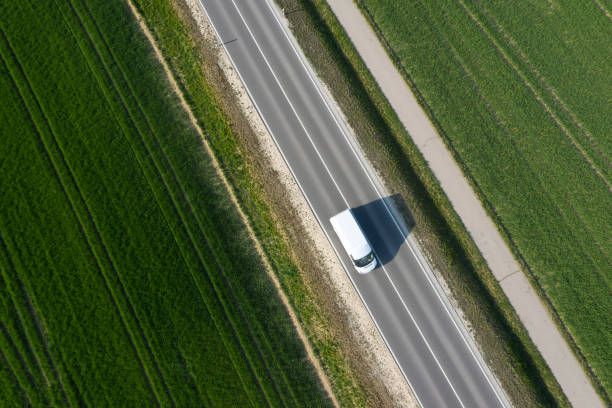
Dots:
{"x": 127, "y": 276}
{"x": 523, "y": 103}
{"x": 505, "y": 344}
{"x": 261, "y": 197}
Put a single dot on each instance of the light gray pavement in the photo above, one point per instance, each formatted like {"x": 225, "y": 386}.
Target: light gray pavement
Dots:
{"x": 517, "y": 288}
{"x": 430, "y": 346}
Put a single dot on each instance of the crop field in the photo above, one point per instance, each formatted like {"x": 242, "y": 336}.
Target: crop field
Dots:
{"x": 126, "y": 275}
{"x": 521, "y": 93}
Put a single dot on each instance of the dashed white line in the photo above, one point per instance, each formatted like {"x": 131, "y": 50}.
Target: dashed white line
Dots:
{"x": 343, "y": 197}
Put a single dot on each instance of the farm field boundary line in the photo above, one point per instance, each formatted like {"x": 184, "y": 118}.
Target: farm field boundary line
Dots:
{"x": 503, "y": 127}
{"x": 538, "y": 97}
{"x": 232, "y": 195}
{"x": 125, "y": 108}
{"x": 88, "y": 217}
{"x": 540, "y": 78}
{"x": 183, "y": 194}
{"x": 488, "y": 205}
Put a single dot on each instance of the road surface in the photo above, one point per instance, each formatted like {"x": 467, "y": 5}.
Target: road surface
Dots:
{"x": 429, "y": 346}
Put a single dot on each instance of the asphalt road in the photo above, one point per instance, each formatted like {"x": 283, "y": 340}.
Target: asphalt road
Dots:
{"x": 426, "y": 342}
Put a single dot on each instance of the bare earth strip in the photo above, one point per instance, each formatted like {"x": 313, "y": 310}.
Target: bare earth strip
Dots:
{"x": 177, "y": 212}
{"x": 506, "y": 270}
{"x": 603, "y": 10}
{"x": 183, "y": 198}
{"x": 302, "y": 335}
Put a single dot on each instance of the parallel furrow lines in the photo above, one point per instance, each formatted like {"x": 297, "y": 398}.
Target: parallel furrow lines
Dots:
{"x": 537, "y": 96}
{"x": 500, "y": 124}
{"x": 20, "y": 293}
{"x": 108, "y": 257}
{"x": 573, "y": 208}
{"x": 544, "y": 83}
{"x": 162, "y": 179}
{"x": 23, "y": 366}
{"x": 28, "y": 353}
{"x": 534, "y": 175}
{"x": 158, "y": 174}
{"x": 45, "y": 148}
{"x": 32, "y": 313}
{"x": 24, "y": 395}
{"x": 175, "y": 181}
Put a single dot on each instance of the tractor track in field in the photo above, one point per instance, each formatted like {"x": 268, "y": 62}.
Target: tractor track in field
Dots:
{"x": 30, "y": 307}
{"x": 580, "y": 219}
{"x": 27, "y": 350}
{"x": 603, "y": 9}
{"x": 536, "y": 95}
{"x": 45, "y": 346}
{"x": 534, "y": 174}
{"x": 22, "y": 363}
{"x": 75, "y": 212}
{"x": 24, "y": 394}
{"x": 541, "y": 290}
{"x": 544, "y": 83}
{"x": 168, "y": 191}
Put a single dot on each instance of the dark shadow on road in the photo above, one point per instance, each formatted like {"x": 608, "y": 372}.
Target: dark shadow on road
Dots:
{"x": 380, "y": 228}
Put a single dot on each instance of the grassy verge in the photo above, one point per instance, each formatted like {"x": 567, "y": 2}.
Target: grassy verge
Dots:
{"x": 503, "y": 340}
{"x": 263, "y": 199}
{"x": 127, "y": 276}
{"x": 520, "y": 103}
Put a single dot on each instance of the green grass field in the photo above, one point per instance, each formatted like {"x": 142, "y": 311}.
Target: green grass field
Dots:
{"x": 521, "y": 92}
{"x": 127, "y": 277}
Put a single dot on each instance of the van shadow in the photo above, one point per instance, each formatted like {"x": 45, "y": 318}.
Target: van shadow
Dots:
{"x": 381, "y": 229}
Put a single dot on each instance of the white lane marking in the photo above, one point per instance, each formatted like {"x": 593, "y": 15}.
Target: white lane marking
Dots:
{"x": 342, "y": 131}
{"x": 344, "y": 199}
{"x": 338, "y": 255}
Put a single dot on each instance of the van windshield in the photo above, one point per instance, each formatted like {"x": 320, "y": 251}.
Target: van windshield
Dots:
{"x": 361, "y": 262}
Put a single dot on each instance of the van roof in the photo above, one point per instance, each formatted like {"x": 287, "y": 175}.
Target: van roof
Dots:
{"x": 350, "y": 234}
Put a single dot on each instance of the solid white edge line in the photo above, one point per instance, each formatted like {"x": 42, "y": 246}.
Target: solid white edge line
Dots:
{"x": 479, "y": 361}
{"x": 339, "y": 191}
{"x": 343, "y": 197}
{"x": 315, "y": 214}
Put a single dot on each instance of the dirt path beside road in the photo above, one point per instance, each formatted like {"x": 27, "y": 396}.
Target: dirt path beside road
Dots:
{"x": 505, "y": 268}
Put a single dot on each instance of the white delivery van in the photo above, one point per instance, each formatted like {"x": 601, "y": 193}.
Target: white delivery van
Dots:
{"x": 354, "y": 241}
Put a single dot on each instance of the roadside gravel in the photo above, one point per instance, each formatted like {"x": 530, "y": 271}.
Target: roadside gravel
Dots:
{"x": 517, "y": 288}
{"x": 371, "y": 346}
